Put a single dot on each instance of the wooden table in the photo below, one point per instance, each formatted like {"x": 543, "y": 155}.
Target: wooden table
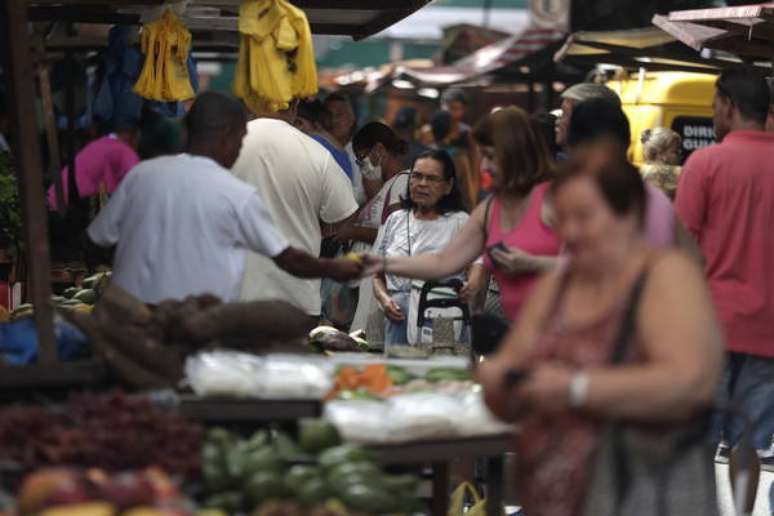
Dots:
{"x": 439, "y": 452}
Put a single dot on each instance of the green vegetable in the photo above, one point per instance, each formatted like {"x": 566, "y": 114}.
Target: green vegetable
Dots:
{"x": 299, "y": 475}
{"x": 315, "y": 491}
{"x": 359, "y": 469}
{"x": 229, "y": 501}
{"x": 399, "y": 375}
{"x": 441, "y": 374}
{"x": 367, "y": 498}
{"x": 261, "y": 459}
{"x": 344, "y": 453}
{"x": 86, "y": 296}
{"x": 285, "y": 446}
{"x": 70, "y": 292}
{"x": 359, "y": 394}
{"x": 317, "y": 435}
{"x": 265, "y": 485}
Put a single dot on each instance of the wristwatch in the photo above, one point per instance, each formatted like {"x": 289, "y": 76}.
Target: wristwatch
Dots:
{"x": 579, "y": 389}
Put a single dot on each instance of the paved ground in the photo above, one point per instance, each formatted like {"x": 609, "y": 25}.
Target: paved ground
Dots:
{"x": 724, "y": 492}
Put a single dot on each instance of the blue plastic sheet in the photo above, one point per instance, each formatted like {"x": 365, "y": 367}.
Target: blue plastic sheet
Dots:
{"x": 19, "y": 342}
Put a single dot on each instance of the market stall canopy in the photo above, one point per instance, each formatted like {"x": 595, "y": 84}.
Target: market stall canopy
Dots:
{"x": 746, "y": 31}
{"x": 650, "y": 48}
{"x": 506, "y": 52}
{"x": 218, "y": 18}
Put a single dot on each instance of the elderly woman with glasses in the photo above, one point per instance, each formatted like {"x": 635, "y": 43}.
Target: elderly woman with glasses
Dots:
{"x": 432, "y": 214}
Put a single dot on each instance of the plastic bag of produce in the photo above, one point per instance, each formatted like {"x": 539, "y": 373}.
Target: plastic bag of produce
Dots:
{"x": 224, "y": 373}
{"x": 296, "y": 376}
{"x": 361, "y": 421}
{"x": 422, "y": 416}
{"x": 474, "y": 418}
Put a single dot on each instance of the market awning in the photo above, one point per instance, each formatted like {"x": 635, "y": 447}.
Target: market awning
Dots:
{"x": 650, "y": 48}
{"x": 500, "y": 54}
{"x": 218, "y": 18}
{"x": 746, "y": 31}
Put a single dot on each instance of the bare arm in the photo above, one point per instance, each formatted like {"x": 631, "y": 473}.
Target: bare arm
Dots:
{"x": 303, "y": 265}
{"x": 683, "y": 350}
{"x": 390, "y": 308}
{"x": 465, "y": 247}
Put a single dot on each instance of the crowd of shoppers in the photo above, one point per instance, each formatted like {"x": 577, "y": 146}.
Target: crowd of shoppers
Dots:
{"x": 597, "y": 264}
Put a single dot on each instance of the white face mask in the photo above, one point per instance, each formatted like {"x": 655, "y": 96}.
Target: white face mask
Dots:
{"x": 370, "y": 171}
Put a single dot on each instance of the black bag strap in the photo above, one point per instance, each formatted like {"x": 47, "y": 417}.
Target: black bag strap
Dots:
{"x": 626, "y": 333}
{"x": 628, "y": 327}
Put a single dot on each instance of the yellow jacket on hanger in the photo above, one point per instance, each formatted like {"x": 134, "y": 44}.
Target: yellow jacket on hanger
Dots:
{"x": 276, "y": 56}
{"x": 165, "y": 43}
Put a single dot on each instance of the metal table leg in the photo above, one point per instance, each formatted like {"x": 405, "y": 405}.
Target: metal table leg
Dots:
{"x": 440, "y": 501}
{"x": 494, "y": 485}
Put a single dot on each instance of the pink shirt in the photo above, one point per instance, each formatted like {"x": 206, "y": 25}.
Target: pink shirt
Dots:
{"x": 105, "y": 160}
{"x": 532, "y": 236}
{"x": 659, "y": 218}
{"x": 726, "y": 200}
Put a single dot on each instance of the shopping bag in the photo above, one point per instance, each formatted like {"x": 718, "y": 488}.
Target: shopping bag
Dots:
{"x": 457, "y": 502}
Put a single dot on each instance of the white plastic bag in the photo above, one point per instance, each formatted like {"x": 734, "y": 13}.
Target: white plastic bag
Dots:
{"x": 360, "y": 421}
{"x": 224, "y": 373}
{"x": 230, "y": 373}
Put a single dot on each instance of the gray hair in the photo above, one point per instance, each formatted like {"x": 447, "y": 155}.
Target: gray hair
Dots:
{"x": 590, "y": 90}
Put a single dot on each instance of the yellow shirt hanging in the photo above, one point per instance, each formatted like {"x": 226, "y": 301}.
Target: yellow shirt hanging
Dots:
{"x": 276, "y": 57}
{"x": 166, "y": 44}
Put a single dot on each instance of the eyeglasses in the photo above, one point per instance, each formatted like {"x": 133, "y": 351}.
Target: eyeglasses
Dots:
{"x": 418, "y": 178}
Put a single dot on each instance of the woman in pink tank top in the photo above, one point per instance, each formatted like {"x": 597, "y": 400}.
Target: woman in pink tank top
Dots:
{"x": 511, "y": 229}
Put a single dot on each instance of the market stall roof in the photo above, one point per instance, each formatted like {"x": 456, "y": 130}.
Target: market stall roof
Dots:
{"x": 747, "y": 31}
{"x": 500, "y": 54}
{"x": 650, "y": 47}
{"x": 356, "y": 18}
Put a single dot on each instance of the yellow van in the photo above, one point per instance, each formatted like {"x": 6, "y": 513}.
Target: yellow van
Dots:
{"x": 678, "y": 100}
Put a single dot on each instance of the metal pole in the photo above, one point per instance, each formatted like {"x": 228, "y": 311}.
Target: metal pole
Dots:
{"x": 487, "y": 12}
{"x": 27, "y": 154}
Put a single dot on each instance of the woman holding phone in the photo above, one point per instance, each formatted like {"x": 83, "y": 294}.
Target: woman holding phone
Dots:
{"x": 512, "y": 228}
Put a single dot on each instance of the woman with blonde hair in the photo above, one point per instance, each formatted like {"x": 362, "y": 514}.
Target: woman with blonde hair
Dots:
{"x": 662, "y": 150}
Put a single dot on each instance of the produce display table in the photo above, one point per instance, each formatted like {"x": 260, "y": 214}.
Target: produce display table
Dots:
{"x": 246, "y": 410}
{"x": 439, "y": 452}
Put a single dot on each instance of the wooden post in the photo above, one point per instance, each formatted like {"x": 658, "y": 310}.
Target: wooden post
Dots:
{"x": 27, "y": 155}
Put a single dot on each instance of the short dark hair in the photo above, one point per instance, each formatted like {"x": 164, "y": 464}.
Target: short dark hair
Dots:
{"x": 596, "y": 118}
{"x": 454, "y": 95}
{"x": 377, "y": 132}
{"x": 748, "y": 90}
{"x": 314, "y": 111}
{"x": 441, "y": 123}
{"x": 522, "y": 154}
{"x": 619, "y": 182}
{"x": 337, "y": 97}
{"x": 452, "y": 201}
{"x": 213, "y": 112}
{"x": 545, "y": 126}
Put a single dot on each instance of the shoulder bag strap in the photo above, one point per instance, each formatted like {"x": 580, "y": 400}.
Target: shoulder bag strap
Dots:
{"x": 485, "y": 227}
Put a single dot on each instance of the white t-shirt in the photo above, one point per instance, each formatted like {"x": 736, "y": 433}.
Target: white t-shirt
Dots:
{"x": 183, "y": 225}
{"x": 424, "y": 236}
{"x": 301, "y": 184}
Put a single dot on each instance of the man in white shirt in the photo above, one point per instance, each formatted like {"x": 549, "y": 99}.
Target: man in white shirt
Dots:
{"x": 183, "y": 225}
{"x": 302, "y": 186}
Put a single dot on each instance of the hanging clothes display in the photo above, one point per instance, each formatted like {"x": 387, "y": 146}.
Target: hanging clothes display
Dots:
{"x": 166, "y": 44}
{"x": 276, "y": 56}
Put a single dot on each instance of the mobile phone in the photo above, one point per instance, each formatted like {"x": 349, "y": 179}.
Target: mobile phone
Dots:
{"x": 499, "y": 246}
{"x": 514, "y": 377}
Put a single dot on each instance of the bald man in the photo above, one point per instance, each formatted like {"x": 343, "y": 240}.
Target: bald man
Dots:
{"x": 183, "y": 225}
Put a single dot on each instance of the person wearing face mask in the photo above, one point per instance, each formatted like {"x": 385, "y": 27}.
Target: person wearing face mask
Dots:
{"x": 379, "y": 153}
{"x": 342, "y": 123}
